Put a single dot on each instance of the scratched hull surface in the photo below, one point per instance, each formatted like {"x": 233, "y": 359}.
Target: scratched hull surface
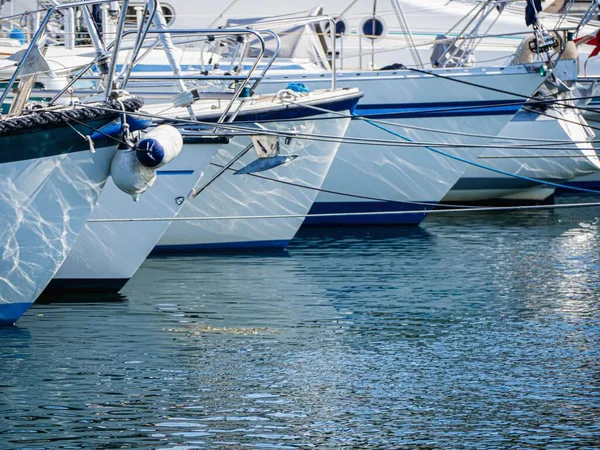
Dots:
{"x": 44, "y": 205}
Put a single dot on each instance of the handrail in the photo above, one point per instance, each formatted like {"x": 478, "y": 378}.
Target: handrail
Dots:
{"x": 113, "y": 63}
{"x": 480, "y": 13}
{"x": 143, "y": 32}
{"x": 212, "y": 32}
{"x": 283, "y": 23}
{"x": 37, "y": 36}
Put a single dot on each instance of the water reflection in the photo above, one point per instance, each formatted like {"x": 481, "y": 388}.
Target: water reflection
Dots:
{"x": 477, "y": 330}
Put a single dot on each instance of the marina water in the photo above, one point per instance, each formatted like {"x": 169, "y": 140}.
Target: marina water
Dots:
{"x": 473, "y": 330}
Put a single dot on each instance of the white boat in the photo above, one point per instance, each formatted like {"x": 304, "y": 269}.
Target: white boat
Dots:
{"x": 121, "y": 234}
{"x": 508, "y": 175}
{"x": 452, "y": 106}
{"x": 564, "y": 153}
{"x": 263, "y": 209}
{"x": 50, "y": 180}
{"x": 445, "y": 106}
{"x": 418, "y": 21}
{"x": 109, "y": 252}
{"x": 54, "y": 163}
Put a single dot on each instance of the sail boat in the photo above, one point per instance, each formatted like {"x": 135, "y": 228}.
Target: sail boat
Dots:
{"x": 54, "y": 163}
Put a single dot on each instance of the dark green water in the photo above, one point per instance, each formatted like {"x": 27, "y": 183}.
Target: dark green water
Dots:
{"x": 479, "y": 331}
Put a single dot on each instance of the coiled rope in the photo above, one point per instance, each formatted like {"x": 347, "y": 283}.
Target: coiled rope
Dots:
{"x": 36, "y": 119}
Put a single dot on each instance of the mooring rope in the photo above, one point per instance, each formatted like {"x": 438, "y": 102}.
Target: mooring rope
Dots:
{"x": 356, "y": 214}
{"x": 245, "y": 129}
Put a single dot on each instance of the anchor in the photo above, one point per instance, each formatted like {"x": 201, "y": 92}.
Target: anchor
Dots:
{"x": 267, "y": 149}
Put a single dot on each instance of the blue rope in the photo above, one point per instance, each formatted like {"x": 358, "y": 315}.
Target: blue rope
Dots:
{"x": 481, "y": 166}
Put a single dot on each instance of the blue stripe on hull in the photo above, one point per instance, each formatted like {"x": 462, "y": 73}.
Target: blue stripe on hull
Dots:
{"x": 594, "y": 185}
{"x": 11, "y": 312}
{"x": 174, "y": 172}
{"x": 448, "y": 109}
{"x": 367, "y": 219}
{"x": 222, "y": 246}
{"x": 81, "y": 285}
{"x": 297, "y": 113}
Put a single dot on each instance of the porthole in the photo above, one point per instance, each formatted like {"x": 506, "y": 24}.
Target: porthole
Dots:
{"x": 132, "y": 14}
{"x": 168, "y": 13}
{"x": 341, "y": 27}
{"x": 373, "y": 27}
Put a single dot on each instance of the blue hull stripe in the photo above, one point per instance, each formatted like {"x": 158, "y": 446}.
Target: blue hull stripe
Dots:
{"x": 297, "y": 112}
{"x": 450, "y": 109}
{"x": 484, "y": 183}
{"x": 174, "y": 172}
{"x": 81, "y": 285}
{"x": 11, "y": 312}
{"x": 582, "y": 184}
{"x": 223, "y": 246}
{"x": 195, "y": 69}
{"x": 367, "y": 219}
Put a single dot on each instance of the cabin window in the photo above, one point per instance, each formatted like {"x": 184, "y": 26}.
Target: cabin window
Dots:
{"x": 340, "y": 27}
{"x": 132, "y": 12}
{"x": 373, "y": 28}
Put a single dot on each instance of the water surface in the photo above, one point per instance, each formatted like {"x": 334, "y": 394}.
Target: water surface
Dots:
{"x": 474, "y": 331}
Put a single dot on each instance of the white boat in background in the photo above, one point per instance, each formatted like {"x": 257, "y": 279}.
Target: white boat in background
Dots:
{"x": 405, "y": 179}
{"x": 452, "y": 106}
{"x": 399, "y": 28}
{"x": 564, "y": 154}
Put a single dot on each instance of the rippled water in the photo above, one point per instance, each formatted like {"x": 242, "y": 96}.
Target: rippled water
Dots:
{"x": 471, "y": 331}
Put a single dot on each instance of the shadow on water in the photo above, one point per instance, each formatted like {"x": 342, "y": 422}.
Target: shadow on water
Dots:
{"x": 527, "y": 218}
{"x": 356, "y": 235}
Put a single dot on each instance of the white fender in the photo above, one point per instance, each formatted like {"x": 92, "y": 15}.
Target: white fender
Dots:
{"x": 159, "y": 146}
{"x": 129, "y": 175}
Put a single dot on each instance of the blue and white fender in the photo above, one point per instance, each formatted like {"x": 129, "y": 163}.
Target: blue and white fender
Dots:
{"x": 134, "y": 170}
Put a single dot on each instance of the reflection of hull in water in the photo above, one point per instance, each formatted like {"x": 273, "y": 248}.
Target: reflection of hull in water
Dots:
{"x": 586, "y": 182}
{"x": 546, "y": 164}
{"x": 44, "y": 204}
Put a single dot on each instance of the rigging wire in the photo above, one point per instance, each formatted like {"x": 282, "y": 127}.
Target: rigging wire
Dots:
{"x": 466, "y": 161}
{"x": 246, "y": 129}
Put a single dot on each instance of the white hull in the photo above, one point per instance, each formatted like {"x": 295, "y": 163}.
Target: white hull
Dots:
{"x": 44, "y": 204}
{"x": 588, "y": 181}
{"x": 544, "y": 163}
{"x": 412, "y": 178}
{"x": 270, "y": 193}
{"x": 107, "y": 254}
